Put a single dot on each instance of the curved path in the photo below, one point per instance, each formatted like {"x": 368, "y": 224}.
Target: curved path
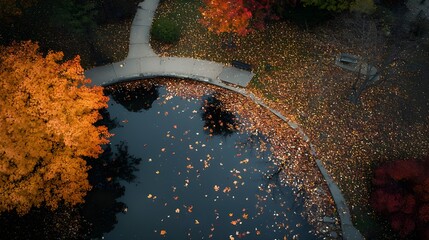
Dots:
{"x": 142, "y": 62}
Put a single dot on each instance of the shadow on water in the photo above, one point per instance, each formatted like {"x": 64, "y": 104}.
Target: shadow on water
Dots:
{"x": 101, "y": 204}
{"x": 107, "y": 120}
{"x": 217, "y": 121}
{"x": 90, "y": 220}
{"x": 134, "y": 97}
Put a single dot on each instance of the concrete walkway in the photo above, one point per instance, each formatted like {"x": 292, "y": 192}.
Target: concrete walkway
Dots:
{"x": 349, "y": 231}
{"x": 147, "y": 67}
{"x": 142, "y": 62}
{"x": 140, "y": 30}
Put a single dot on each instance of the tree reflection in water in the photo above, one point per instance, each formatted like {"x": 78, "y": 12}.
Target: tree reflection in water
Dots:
{"x": 217, "y": 121}
{"x": 101, "y": 206}
{"x": 86, "y": 221}
{"x": 134, "y": 97}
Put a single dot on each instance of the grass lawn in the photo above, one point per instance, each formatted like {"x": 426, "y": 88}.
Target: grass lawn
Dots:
{"x": 303, "y": 83}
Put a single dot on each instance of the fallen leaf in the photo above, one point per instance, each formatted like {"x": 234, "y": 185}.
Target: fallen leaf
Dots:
{"x": 190, "y": 208}
{"x": 190, "y": 166}
{"x": 245, "y": 161}
{"x": 234, "y": 222}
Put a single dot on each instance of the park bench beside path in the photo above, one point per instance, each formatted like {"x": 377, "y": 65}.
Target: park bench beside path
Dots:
{"x": 142, "y": 62}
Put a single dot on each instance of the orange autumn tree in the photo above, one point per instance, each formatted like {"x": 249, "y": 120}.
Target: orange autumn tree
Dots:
{"x": 223, "y": 16}
{"x": 47, "y": 112}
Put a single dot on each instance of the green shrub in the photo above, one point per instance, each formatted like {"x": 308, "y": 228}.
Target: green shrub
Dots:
{"x": 363, "y": 6}
{"x": 165, "y": 30}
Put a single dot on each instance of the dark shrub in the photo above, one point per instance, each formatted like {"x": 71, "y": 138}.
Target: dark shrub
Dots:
{"x": 165, "y": 30}
{"x": 111, "y": 11}
{"x": 306, "y": 16}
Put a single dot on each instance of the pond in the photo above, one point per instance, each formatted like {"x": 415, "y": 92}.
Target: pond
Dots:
{"x": 180, "y": 168}
{"x": 199, "y": 178}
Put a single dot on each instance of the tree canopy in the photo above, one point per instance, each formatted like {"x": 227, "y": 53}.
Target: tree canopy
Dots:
{"x": 77, "y": 17}
{"x": 365, "y": 6}
{"x": 221, "y": 16}
{"x": 262, "y": 10}
{"x": 46, "y": 123}
{"x": 331, "y": 5}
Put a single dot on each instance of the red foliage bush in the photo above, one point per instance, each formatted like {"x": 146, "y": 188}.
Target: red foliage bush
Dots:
{"x": 401, "y": 193}
{"x": 261, "y": 12}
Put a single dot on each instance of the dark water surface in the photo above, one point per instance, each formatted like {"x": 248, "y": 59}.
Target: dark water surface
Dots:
{"x": 191, "y": 185}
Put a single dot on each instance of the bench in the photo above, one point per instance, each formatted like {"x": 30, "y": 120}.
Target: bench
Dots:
{"x": 348, "y": 59}
{"x": 241, "y": 65}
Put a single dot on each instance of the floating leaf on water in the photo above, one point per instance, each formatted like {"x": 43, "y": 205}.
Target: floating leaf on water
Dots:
{"x": 235, "y": 222}
{"x": 245, "y": 161}
{"x": 190, "y": 208}
{"x": 190, "y": 166}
